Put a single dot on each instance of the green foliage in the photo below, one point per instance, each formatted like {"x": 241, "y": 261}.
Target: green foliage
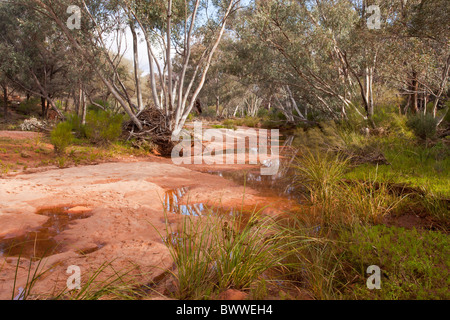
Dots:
{"x": 59, "y": 105}
{"x": 336, "y": 202}
{"x": 77, "y": 126}
{"x": 263, "y": 113}
{"x": 229, "y": 124}
{"x": 411, "y": 163}
{"x": 61, "y": 136}
{"x": 424, "y": 126}
{"x": 436, "y": 207}
{"x": 29, "y": 107}
{"x": 209, "y": 112}
{"x": 251, "y": 122}
{"x": 323, "y": 137}
{"x": 278, "y": 115}
{"x": 103, "y": 127}
{"x": 397, "y": 126}
{"x": 190, "y": 117}
{"x": 218, "y": 126}
{"x": 218, "y": 252}
{"x": 414, "y": 263}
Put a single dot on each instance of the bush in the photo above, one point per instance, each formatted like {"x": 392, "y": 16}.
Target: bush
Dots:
{"x": 103, "y": 127}
{"x": 209, "y": 112}
{"x": 229, "y": 124}
{"x": 263, "y": 113}
{"x": 411, "y": 267}
{"x": 29, "y": 107}
{"x": 251, "y": 122}
{"x": 77, "y": 126}
{"x": 221, "y": 252}
{"x": 398, "y": 126}
{"x": 61, "y": 136}
{"x": 424, "y": 126}
{"x": 278, "y": 115}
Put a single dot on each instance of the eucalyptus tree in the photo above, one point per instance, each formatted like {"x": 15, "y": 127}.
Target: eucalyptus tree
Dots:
{"x": 326, "y": 55}
{"x": 419, "y": 60}
{"x": 34, "y": 56}
{"x": 300, "y": 44}
{"x": 177, "y": 26}
{"x": 5, "y": 69}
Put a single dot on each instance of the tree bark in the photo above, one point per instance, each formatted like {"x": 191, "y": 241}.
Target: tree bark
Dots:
{"x": 83, "y": 107}
{"x": 136, "y": 68}
{"x": 415, "y": 95}
{"x": 43, "y": 108}
{"x": 217, "y": 105}
{"x": 442, "y": 85}
{"x": 168, "y": 57}
{"x": 5, "y": 101}
{"x": 184, "y": 111}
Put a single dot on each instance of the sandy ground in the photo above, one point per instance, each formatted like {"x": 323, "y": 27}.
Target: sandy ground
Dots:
{"x": 127, "y": 216}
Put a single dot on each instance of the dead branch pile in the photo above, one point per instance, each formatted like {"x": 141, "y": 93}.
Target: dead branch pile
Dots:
{"x": 33, "y": 124}
{"x": 155, "y": 131}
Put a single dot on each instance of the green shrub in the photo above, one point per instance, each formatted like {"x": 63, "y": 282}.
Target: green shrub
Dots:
{"x": 383, "y": 114}
{"x": 229, "y": 124}
{"x": 414, "y": 263}
{"x": 208, "y": 112}
{"x": 29, "y": 107}
{"x": 251, "y": 122}
{"x": 398, "y": 126}
{"x": 424, "y": 126}
{"x": 220, "y": 252}
{"x": 321, "y": 174}
{"x": 190, "y": 117}
{"x": 61, "y": 136}
{"x": 263, "y": 113}
{"x": 103, "y": 127}
{"x": 280, "y": 116}
{"x": 77, "y": 126}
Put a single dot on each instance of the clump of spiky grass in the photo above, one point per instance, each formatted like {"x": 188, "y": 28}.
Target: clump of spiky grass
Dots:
{"x": 336, "y": 201}
{"x": 321, "y": 175}
{"x": 436, "y": 206}
{"x": 368, "y": 202}
{"x": 245, "y": 254}
{"x": 119, "y": 284}
{"x": 316, "y": 264}
{"x": 214, "y": 253}
{"x": 190, "y": 248}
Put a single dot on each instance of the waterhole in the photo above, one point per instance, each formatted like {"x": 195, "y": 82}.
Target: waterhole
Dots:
{"x": 40, "y": 242}
{"x": 172, "y": 204}
{"x": 279, "y": 185}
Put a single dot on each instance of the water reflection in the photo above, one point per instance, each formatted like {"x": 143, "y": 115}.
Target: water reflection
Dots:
{"x": 40, "y": 242}
{"x": 172, "y": 204}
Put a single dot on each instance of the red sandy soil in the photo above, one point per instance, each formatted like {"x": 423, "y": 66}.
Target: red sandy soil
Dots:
{"x": 127, "y": 215}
